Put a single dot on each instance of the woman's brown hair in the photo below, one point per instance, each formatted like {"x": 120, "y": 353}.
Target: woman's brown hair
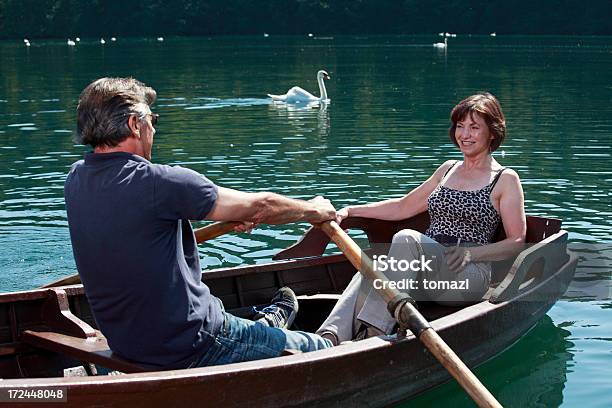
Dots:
{"x": 488, "y": 107}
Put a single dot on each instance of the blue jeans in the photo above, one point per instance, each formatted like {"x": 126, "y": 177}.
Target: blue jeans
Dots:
{"x": 245, "y": 340}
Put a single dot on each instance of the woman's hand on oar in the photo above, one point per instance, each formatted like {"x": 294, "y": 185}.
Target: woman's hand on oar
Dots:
{"x": 206, "y": 233}
{"x": 410, "y": 317}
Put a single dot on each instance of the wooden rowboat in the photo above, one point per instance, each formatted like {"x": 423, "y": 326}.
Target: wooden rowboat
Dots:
{"x": 47, "y": 333}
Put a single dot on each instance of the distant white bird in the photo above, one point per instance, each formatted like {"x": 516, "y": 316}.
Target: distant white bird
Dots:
{"x": 102, "y": 41}
{"x": 113, "y": 39}
{"x": 441, "y": 34}
{"x": 266, "y": 35}
{"x": 78, "y": 39}
{"x": 70, "y": 43}
{"x": 299, "y": 95}
{"x": 447, "y": 34}
{"x": 160, "y": 39}
{"x": 27, "y": 43}
{"x": 453, "y": 35}
{"x": 493, "y": 34}
{"x": 310, "y": 35}
{"x": 441, "y": 45}
{"x": 25, "y": 40}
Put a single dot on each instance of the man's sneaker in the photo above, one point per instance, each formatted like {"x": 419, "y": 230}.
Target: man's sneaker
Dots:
{"x": 281, "y": 312}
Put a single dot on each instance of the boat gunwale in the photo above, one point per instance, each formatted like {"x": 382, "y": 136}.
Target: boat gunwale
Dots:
{"x": 217, "y": 273}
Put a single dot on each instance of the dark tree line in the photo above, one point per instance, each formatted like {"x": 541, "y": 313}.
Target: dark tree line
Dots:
{"x": 68, "y": 18}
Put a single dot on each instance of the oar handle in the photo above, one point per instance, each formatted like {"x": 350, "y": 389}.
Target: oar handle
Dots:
{"x": 69, "y": 280}
{"x": 206, "y": 233}
{"x": 434, "y": 343}
{"x": 214, "y": 230}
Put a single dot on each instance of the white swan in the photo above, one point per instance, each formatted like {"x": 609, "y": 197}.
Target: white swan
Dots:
{"x": 70, "y": 43}
{"x": 299, "y": 95}
{"x": 441, "y": 45}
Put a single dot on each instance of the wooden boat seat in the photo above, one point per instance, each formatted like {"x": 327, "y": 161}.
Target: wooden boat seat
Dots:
{"x": 71, "y": 336}
{"x": 314, "y": 241}
{"x": 91, "y": 350}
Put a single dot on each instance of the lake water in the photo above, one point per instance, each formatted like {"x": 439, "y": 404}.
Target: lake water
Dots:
{"x": 383, "y": 133}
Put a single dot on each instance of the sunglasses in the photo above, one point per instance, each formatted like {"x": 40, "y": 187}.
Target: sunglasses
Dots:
{"x": 154, "y": 118}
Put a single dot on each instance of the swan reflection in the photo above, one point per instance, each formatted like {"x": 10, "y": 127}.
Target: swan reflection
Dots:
{"x": 306, "y": 118}
{"x": 309, "y": 110}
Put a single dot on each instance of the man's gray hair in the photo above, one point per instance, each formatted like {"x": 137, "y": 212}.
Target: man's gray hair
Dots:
{"x": 105, "y": 106}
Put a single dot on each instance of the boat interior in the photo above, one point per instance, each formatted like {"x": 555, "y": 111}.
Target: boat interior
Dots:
{"x": 52, "y": 333}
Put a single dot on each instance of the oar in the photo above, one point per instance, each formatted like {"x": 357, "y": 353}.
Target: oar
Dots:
{"x": 205, "y": 233}
{"x": 409, "y": 316}
{"x": 214, "y": 230}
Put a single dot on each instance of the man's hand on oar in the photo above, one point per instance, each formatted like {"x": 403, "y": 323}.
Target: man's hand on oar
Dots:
{"x": 245, "y": 227}
{"x": 206, "y": 233}
{"x": 408, "y": 316}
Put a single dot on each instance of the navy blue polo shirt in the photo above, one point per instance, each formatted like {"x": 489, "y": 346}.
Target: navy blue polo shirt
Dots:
{"x": 137, "y": 257}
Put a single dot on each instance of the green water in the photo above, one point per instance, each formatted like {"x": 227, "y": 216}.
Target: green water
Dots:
{"x": 383, "y": 133}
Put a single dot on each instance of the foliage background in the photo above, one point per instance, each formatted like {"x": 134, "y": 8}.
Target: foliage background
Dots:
{"x": 69, "y": 18}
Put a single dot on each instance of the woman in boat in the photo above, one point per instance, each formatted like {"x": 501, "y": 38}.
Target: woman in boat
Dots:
{"x": 467, "y": 201}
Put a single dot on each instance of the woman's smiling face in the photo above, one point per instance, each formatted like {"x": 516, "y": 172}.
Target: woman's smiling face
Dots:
{"x": 472, "y": 135}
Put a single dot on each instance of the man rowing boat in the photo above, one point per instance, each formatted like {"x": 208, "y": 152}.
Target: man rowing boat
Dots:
{"x": 136, "y": 252}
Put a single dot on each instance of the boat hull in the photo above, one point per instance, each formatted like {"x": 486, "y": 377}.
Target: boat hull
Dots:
{"x": 374, "y": 372}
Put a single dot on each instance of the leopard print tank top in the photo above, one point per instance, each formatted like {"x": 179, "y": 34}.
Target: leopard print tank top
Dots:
{"x": 468, "y": 215}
